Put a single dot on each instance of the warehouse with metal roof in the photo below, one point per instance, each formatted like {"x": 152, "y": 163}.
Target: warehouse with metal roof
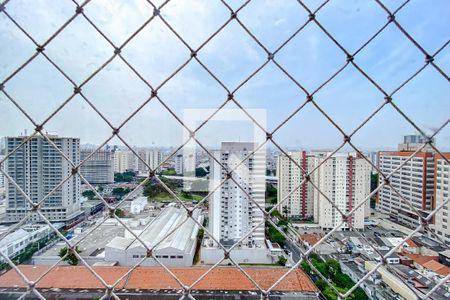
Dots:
{"x": 177, "y": 249}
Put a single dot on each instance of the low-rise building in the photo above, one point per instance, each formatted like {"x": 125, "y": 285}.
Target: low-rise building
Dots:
{"x": 176, "y": 241}
{"x": 15, "y": 243}
{"x": 137, "y": 205}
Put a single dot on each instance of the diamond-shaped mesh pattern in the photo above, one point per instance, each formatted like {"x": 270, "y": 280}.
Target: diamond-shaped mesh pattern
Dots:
{"x": 115, "y": 50}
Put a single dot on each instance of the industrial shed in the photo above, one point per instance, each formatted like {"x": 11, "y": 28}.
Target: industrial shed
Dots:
{"x": 177, "y": 249}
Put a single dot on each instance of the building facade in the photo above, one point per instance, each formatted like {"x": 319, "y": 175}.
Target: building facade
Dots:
{"x": 99, "y": 168}
{"x": 291, "y": 172}
{"x": 125, "y": 161}
{"x": 345, "y": 180}
{"x": 152, "y": 157}
{"x": 414, "y": 181}
{"x": 37, "y": 168}
{"x": 414, "y": 142}
{"x": 179, "y": 164}
{"x": 231, "y": 213}
{"x": 441, "y": 226}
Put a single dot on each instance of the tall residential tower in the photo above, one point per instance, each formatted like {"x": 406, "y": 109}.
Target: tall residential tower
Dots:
{"x": 232, "y": 214}
{"x": 37, "y": 168}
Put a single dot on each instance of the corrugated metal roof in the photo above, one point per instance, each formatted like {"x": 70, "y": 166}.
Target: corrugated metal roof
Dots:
{"x": 167, "y": 221}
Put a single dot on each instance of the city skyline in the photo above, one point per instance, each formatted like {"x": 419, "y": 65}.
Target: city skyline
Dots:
{"x": 243, "y": 149}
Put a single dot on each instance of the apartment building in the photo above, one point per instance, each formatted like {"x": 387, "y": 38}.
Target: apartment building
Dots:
{"x": 185, "y": 163}
{"x": 345, "y": 180}
{"x": 99, "y": 168}
{"x": 232, "y": 214}
{"x": 291, "y": 172}
{"x": 441, "y": 226}
{"x": 37, "y": 168}
{"x": 151, "y": 156}
{"x": 125, "y": 161}
{"x": 414, "y": 181}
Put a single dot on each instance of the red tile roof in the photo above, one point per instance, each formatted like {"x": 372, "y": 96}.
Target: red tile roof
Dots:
{"x": 437, "y": 267}
{"x": 420, "y": 259}
{"x": 411, "y": 243}
{"x": 221, "y": 278}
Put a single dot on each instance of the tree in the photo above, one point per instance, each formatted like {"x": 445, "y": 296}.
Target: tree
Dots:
{"x": 71, "y": 258}
{"x": 321, "y": 284}
{"x": 329, "y": 293}
{"x": 88, "y": 194}
{"x": 342, "y": 280}
{"x": 119, "y": 213}
{"x": 274, "y": 235}
{"x": 186, "y": 195}
{"x": 271, "y": 194}
{"x": 373, "y": 181}
{"x": 307, "y": 268}
{"x": 169, "y": 172}
{"x": 333, "y": 266}
{"x": 120, "y": 192}
{"x": 281, "y": 260}
{"x": 126, "y": 176}
{"x": 153, "y": 188}
{"x": 200, "y": 172}
{"x": 360, "y": 294}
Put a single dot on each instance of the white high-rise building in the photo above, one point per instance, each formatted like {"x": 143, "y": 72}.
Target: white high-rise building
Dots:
{"x": 231, "y": 213}
{"x": 345, "y": 180}
{"x": 99, "y": 168}
{"x": 299, "y": 203}
{"x": 441, "y": 226}
{"x": 37, "y": 168}
{"x": 414, "y": 181}
{"x": 153, "y": 157}
{"x": 185, "y": 163}
{"x": 125, "y": 161}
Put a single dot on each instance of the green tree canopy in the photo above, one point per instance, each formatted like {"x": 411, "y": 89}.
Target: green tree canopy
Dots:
{"x": 71, "y": 258}
{"x": 88, "y": 194}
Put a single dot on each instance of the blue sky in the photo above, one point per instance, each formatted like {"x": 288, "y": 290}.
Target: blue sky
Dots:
{"x": 311, "y": 57}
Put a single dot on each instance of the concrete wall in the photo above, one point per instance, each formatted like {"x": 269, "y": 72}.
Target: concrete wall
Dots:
{"x": 254, "y": 255}
{"x": 50, "y": 260}
{"x": 168, "y": 256}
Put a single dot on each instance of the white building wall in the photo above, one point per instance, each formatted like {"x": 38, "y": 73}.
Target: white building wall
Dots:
{"x": 125, "y": 160}
{"x": 153, "y": 157}
{"x": 299, "y": 203}
{"x": 231, "y": 214}
{"x": 334, "y": 181}
{"x": 414, "y": 181}
{"x": 16, "y": 242}
{"x": 441, "y": 226}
